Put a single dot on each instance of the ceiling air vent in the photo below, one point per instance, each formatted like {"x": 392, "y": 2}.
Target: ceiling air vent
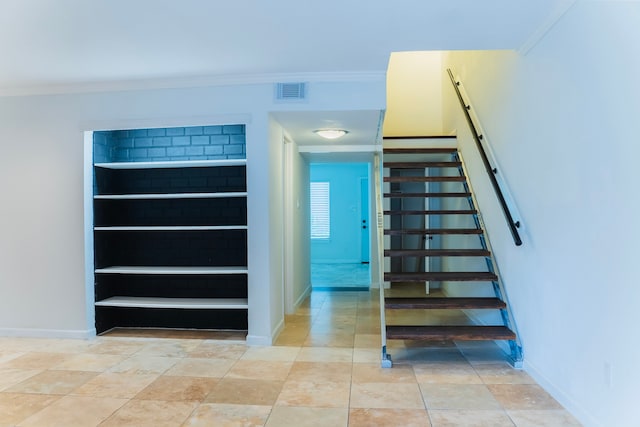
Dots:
{"x": 291, "y": 92}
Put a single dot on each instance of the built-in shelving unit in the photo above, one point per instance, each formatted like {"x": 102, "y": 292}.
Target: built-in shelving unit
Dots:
{"x": 171, "y": 164}
{"x": 170, "y": 243}
{"x": 154, "y": 302}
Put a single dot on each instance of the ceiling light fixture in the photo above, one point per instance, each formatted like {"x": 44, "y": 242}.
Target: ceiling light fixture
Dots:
{"x": 331, "y": 133}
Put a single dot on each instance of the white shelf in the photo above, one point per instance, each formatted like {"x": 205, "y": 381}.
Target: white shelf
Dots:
{"x": 183, "y": 303}
{"x": 228, "y": 194}
{"x": 171, "y": 270}
{"x": 171, "y": 228}
{"x": 172, "y": 164}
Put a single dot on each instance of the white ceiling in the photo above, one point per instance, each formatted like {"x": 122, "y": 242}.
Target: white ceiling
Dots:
{"x": 70, "y": 45}
{"x": 361, "y": 125}
{"x": 67, "y": 42}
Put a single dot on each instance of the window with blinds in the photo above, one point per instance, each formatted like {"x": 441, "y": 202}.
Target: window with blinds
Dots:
{"x": 320, "y": 218}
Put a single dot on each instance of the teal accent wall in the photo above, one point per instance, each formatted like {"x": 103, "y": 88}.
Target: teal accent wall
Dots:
{"x": 344, "y": 245}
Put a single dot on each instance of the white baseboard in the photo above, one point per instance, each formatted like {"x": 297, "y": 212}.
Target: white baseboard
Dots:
{"x": 576, "y": 410}
{"x": 265, "y": 341}
{"x": 47, "y": 333}
{"x": 277, "y": 330}
{"x": 258, "y": 340}
{"x": 302, "y": 297}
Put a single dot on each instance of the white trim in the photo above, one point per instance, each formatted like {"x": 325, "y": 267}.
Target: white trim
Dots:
{"x": 177, "y": 303}
{"x": 89, "y": 264}
{"x": 173, "y": 164}
{"x": 221, "y": 195}
{"x": 193, "y": 81}
{"x": 259, "y": 341}
{"x": 171, "y": 270}
{"x": 48, "y": 333}
{"x": 165, "y": 122}
{"x": 277, "y": 330}
{"x": 583, "y": 415}
{"x": 560, "y": 10}
{"x": 302, "y": 297}
{"x": 171, "y": 228}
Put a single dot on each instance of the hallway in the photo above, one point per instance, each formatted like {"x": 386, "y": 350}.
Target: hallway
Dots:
{"x": 323, "y": 371}
{"x": 337, "y": 276}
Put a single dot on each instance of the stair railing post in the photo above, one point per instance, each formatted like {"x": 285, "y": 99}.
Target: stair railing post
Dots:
{"x": 377, "y": 168}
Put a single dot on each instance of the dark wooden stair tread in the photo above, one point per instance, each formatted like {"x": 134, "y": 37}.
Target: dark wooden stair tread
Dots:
{"x": 419, "y": 150}
{"x": 444, "y": 303}
{"x": 439, "y": 333}
{"x": 429, "y": 231}
{"x": 420, "y": 165}
{"x": 435, "y": 252}
{"x": 450, "y": 276}
{"x": 431, "y": 212}
{"x": 456, "y": 178}
{"x": 424, "y": 195}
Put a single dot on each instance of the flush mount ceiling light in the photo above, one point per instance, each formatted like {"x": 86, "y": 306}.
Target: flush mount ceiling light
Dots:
{"x": 331, "y": 133}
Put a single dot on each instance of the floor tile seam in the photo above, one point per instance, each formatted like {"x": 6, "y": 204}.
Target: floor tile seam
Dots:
{"x": 506, "y": 411}
{"x": 266, "y": 421}
{"x": 499, "y": 407}
{"x": 34, "y": 393}
{"x": 317, "y": 382}
{"x": 155, "y": 399}
{"x": 46, "y": 370}
{"x": 37, "y": 412}
{"x": 193, "y": 412}
{"x": 114, "y": 412}
{"x": 485, "y": 381}
{"x": 326, "y": 361}
{"x": 74, "y": 393}
{"x": 280, "y": 405}
{"x": 349, "y": 398}
{"x": 503, "y": 411}
{"x": 125, "y": 401}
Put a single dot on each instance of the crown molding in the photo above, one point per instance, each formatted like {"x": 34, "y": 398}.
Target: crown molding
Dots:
{"x": 552, "y": 19}
{"x": 192, "y": 82}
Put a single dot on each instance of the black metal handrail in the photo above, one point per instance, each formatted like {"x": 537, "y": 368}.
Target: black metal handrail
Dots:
{"x": 491, "y": 171}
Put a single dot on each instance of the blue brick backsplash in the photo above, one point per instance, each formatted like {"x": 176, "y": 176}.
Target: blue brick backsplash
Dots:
{"x": 170, "y": 144}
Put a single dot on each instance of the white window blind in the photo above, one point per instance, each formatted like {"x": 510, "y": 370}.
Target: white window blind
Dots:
{"x": 320, "y": 222}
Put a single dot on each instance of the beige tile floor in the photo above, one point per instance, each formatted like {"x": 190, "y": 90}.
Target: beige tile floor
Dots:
{"x": 323, "y": 371}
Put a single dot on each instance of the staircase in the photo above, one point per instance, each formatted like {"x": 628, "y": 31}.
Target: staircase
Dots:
{"x": 433, "y": 235}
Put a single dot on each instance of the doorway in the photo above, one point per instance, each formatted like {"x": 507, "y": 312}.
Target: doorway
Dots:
{"x": 340, "y": 218}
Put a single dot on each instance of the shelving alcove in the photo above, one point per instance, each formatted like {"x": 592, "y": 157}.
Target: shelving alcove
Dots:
{"x": 170, "y": 244}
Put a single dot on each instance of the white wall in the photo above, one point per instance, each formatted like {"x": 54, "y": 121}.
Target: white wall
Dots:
{"x": 296, "y": 228}
{"x": 42, "y": 284}
{"x": 275, "y": 229}
{"x": 562, "y": 123}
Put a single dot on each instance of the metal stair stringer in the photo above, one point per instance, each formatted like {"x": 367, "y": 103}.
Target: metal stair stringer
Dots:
{"x": 515, "y": 346}
{"x": 503, "y": 333}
